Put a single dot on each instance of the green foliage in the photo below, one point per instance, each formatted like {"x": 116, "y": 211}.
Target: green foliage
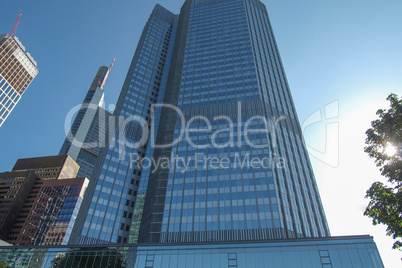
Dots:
{"x": 385, "y": 205}
{"x": 90, "y": 257}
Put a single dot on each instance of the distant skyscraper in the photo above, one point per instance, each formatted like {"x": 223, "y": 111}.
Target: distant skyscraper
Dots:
{"x": 17, "y": 70}
{"x": 218, "y": 63}
{"x": 39, "y": 200}
{"x": 108, "y": 208}
{"x": 89, "y": 130}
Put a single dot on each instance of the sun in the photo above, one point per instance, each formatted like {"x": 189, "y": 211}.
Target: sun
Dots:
{"x": 390, "y": 150}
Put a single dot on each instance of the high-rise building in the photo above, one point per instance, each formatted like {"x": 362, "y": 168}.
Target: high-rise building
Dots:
{"x": 218, "y": 63}
{"x": 108, "y": 209}
{"x": 89, "y": 130}
{"x": 247, "y": 173}
{"x": 39, "y": 200}
{"x": 224, "y": 178}
{"x": 52, "y": 215}
{"x": 17, "y": 70}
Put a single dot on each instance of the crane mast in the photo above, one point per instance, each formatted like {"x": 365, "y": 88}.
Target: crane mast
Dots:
{"x": 14, "y": 29}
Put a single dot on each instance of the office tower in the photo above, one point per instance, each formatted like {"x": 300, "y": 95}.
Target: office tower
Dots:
{"x": 89, "y": 130}
{"x": 216, "y": 196}
{"x": 39, "y": 200}
{"x": 17, "y": 70}
{"x": 218, "y": 60}
{"x": 51, "y": 218}
{"x": 233, "y": 94}
{"x": 108, "y": 208}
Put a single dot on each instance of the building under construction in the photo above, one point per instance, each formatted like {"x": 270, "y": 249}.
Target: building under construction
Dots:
{"x": 17, "y": 70}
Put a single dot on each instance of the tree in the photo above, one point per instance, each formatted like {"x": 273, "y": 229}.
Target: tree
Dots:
{"x": 385, "y": 206}
{"x": 90, "y": 257}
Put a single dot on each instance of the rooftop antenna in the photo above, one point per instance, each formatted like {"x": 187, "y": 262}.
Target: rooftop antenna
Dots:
{"x": 16, "y": 24}
{"x": 102, "y": 84}
{"x": 111, "y": 65}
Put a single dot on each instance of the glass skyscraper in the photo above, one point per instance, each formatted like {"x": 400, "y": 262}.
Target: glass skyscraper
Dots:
{"x": 206, "y": 166}
{"x": 233, "y": 90}
{"x": 88, "y": 132}
{"x": 17, "y": 70}
{"x": 114, "y": 189}
{"x": 218, "y": 63}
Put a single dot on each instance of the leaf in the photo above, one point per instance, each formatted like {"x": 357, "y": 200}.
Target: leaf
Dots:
{"x": 385, "y": 206}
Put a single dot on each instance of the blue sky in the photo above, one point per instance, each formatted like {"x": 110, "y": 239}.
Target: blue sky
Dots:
{"x": 344, "y": 51}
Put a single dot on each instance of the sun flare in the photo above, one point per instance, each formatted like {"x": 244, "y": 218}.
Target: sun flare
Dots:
{"x": 390, "y": 150}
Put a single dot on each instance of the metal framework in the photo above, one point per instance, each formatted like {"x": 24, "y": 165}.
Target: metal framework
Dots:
{"x": 14, "y": 29}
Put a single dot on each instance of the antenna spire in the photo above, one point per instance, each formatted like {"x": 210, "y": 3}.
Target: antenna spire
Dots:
{"x": 111, "y": 65}
{"x": 14, "y": 29}
{"x": 102, "y": 84}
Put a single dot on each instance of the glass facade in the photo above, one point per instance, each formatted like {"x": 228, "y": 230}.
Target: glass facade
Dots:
{"x": 337, "y": 252}
{"x": 8, "y": 99}
{"x": 53, "y": 212}
{"x": 88, "y": 132}
{"x": 17, "y": 70}
{"x": 240, "y": 172}
{"x": 39, "y": 200}
{"x": 238, "y": 109}
{"x": 108, "y": 208}
{"x": 206, "y": 166}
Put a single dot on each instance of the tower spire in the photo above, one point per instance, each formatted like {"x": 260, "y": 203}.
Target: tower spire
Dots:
{"x": 14, "y": 29}
{"x": 107, "y": 74}
{"x": 111, "y": 65}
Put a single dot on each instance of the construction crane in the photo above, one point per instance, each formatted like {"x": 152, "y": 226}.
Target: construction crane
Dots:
{"x": 14, "y": 29}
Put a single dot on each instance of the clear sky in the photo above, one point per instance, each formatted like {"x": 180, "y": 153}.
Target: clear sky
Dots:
{"x": 349, "y": 52}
